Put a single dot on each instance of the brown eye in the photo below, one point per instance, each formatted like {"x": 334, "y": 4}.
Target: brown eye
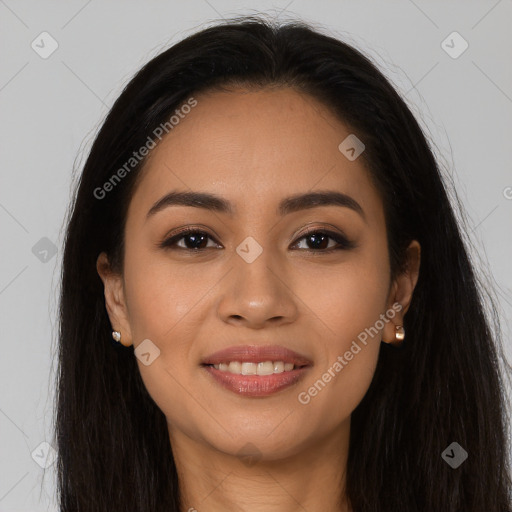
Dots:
{"x": 194, "y": 240}
{"x": 319, "y": 241}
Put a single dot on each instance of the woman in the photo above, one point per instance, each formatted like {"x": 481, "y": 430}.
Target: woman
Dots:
{"x": 264, "y": 235}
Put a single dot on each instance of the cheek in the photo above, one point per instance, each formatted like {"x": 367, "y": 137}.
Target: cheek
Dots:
{"x": 166, "y": 304}
{"x": 160, "y": 295}
{"x": 161, "y": 308}
{"x": 329, "y": 398}
{"x": 348, "y": 355}
{"x": 346, "y": 305}
{"x": 346, "y": 298}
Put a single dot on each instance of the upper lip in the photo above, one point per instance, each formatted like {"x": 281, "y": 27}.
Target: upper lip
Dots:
{"x": 256, "y": 354}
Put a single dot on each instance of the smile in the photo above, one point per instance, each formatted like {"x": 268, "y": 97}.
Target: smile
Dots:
{"x": 253, "y": 384}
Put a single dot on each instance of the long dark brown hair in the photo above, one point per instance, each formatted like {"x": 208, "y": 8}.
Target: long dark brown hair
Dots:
{"x": 444, "y": 386}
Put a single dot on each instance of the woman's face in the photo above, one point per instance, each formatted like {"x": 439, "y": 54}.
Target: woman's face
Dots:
{"x": 257, "y": 277}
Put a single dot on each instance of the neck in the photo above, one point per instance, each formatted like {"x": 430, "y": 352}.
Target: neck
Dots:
{"x": 311, "y": 478}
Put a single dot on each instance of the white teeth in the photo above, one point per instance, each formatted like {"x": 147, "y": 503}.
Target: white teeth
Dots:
{"x": 235, "y": 367}
{"x": 266, "y": 368}
{"x": 278, "y": 366}
{"x": 249, "y": 368}
{"x": 261, "y": 368}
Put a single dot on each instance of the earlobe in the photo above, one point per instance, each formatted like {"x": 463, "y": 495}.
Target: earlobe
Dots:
{"x": 401, "y": 294}
{"x": 115, "y": 302}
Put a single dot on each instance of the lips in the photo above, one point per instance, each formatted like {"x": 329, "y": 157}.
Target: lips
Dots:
{"x": 253, "y": 386}
{"x": 256, "y": 354}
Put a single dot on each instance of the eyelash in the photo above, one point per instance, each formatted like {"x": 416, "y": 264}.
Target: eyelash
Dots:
{"x": 343, "y": 243}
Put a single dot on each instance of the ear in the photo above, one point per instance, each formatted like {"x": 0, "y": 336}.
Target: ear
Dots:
{"x": 115, "y": 301}
{"x": 402, "y": 289}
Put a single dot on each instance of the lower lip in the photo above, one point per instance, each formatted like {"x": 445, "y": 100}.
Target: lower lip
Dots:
{"x": 256, "y": 385}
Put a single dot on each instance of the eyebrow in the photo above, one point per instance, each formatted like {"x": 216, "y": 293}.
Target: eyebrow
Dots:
{"x": 288, "y": 205}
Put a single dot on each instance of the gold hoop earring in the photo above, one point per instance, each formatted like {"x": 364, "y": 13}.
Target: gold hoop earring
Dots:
{"x": 399, "y": 336}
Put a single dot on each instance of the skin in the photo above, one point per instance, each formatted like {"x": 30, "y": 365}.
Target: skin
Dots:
{"x": 255, "y": 148}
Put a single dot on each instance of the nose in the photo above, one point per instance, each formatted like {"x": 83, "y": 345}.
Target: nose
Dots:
{"x": 257, "y": 294}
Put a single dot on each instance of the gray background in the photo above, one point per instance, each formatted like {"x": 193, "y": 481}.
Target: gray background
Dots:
{"x": 51, "y": 108}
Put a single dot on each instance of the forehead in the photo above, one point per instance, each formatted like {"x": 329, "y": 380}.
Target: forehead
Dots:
{"x": 254, "y": 147}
